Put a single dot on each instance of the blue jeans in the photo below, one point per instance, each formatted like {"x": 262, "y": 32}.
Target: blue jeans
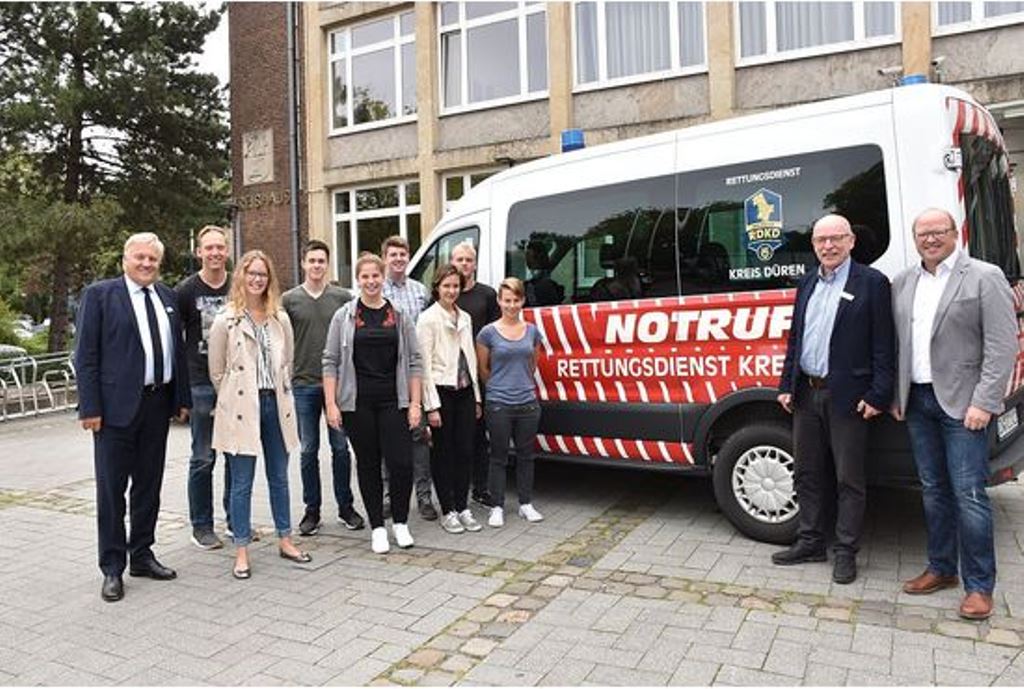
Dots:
{"x": 200, "y": 466}
{"x": 309, "y": 407}
{"x": 952, "y": 463}
{"x": 243, "y": 472}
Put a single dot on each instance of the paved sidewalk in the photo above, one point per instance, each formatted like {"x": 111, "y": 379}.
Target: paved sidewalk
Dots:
{"x": 632, "y": 579}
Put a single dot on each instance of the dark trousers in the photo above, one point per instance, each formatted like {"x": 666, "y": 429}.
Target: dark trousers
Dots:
{"x": 451, "y": 458}
{"x": 137, "y": 453}
{"x": 481, "y": 453}
{"x": 379, "y": 433}
{"x": 518, "y": 423}
{"x": 823, "y": 439}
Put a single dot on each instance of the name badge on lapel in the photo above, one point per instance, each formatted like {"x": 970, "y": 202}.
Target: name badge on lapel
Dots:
{"x": 846, "y": 295}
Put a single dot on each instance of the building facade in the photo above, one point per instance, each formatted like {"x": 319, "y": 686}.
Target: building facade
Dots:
{"x": 401, "y": 108}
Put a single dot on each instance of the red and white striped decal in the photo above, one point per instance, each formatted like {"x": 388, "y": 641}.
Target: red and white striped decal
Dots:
{"x": 617, "y": 448}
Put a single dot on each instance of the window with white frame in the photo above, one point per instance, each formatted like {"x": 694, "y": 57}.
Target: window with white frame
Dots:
{"x": 492, "y": 52}
{"x": 788, "y": 29}
{"x": 953, "y": 17}
{"x": 373, "y": 72}
{"x": 633, "y": 41}
{"x": 456, "y": 185}
{"x": 365, "y": 216}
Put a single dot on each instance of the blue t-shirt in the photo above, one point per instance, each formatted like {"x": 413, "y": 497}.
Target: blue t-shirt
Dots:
{"x": 511, "y": 379}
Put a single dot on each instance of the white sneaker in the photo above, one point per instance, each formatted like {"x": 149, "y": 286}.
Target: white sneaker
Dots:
{"x": 402, "y": 536}
{"x": 497, "y": 518}
{"x": 468, "y": 521}
{"x": 451, "y": 523}
{"x": 529, "y": 513}
{"x": 379, "y": 540}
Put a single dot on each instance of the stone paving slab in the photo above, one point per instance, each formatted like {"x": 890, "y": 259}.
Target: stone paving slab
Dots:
{"x": 626, "y": 582}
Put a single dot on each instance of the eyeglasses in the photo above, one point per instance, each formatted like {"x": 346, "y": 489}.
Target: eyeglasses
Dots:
{"x": 831, "y": 238}
{"x": 932, "y": 235}
{"x": 256, "y": 276}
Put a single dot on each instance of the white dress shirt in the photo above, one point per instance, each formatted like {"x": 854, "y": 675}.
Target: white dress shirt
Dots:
{"x": 138, "y": 298}
{"x": 926, "y": 301}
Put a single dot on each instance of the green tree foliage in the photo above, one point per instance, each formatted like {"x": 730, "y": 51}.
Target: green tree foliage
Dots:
{"x": 105, "y": 129}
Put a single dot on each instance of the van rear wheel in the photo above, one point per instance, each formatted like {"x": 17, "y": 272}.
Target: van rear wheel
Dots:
{"x": 754, "y": 482}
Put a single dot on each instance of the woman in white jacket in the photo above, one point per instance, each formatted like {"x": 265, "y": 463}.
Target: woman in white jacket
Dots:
{"x": 451, "y": 397}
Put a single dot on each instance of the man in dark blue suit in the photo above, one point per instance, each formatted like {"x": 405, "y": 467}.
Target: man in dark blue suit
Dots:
{"x": 132, "y": 378}
{"x": 838, "y": 374}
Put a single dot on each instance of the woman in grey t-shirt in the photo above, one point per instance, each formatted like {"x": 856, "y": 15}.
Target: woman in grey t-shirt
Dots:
{"x": 507, "y": 355}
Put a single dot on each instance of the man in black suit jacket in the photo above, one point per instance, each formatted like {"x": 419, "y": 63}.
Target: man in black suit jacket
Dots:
{"x": 132, "y": 377}
{"x": 838, "y": 374}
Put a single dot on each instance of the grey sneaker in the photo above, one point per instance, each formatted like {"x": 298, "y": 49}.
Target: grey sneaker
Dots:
{"x": 467, "y": 521}
{"x": 352, "y": 520}
{"x": 206, "y": 539}
{"x": 452, "y": 524}
{"x": 310, "y": 524}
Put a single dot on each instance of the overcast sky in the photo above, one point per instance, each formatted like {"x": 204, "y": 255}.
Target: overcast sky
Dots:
{"x": 215, "y": 55}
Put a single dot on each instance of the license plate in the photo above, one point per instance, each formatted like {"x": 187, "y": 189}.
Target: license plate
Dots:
{"x": 1007, "y": 423}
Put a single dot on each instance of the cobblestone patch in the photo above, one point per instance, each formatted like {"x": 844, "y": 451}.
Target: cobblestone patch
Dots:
{"x": 530, "y": 588}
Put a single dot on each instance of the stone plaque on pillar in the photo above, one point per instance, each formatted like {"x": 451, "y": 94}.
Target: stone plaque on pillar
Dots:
{"x": 258, "y": 156}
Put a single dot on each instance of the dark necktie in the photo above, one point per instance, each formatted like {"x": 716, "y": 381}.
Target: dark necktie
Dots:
{"x": 154, "y": 336}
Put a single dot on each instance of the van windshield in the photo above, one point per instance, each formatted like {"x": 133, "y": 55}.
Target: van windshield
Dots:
{"x": 989, "y": 206}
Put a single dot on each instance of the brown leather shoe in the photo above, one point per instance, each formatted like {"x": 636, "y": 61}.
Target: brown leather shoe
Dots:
{"x": 976, "y": 606}
{"x": 929, "y": 582}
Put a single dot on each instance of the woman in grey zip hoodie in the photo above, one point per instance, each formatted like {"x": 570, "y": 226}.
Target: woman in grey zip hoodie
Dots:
{"x": 372, "y": 385}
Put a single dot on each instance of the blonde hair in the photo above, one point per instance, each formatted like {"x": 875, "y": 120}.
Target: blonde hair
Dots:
{"x": 513, "y": 285}
{"x": 145, "y": 238}
{"x": 207, "y": 229}
{"x": 466, "y": 246}
{"x": 272, "y": 292}
{"x": 368, "y": 257}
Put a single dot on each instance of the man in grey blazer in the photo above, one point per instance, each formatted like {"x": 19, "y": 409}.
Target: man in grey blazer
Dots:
{"x": 957, "y": 335}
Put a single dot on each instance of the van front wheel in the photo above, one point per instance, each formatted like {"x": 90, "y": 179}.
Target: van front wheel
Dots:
{"x": 754, "y": 483}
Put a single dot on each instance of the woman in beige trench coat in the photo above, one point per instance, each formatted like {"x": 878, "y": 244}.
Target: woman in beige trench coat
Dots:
{"x": 251, "y": 349}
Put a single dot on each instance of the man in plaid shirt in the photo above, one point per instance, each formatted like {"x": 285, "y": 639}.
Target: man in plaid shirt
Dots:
{"x": 410, "y": 297}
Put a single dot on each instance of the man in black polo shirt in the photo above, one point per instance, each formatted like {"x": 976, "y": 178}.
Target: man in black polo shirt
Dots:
{"x": 481, "y": 303}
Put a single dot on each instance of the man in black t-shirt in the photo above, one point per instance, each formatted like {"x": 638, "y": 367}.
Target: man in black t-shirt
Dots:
{"x": 481, "y": 303}
{"x": 200, "y": 298}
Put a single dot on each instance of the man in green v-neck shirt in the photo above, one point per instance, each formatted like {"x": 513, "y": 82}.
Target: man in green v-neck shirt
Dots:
{"x": 310, "y": 306}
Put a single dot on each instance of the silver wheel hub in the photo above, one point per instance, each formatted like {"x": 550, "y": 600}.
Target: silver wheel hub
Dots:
{"x": 762, "y": 481}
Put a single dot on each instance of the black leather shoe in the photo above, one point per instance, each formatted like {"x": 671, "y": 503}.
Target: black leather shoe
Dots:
{"x": 844, "y": 569}
{"x": 798, "y": 553}
{"x": 113, "y": 588}
{"x": 427, "y": 511}
{"x": 152, "y": 570}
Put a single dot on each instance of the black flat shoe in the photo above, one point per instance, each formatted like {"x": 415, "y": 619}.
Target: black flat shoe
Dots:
{"x": 152, "y": 569}
{"x": 113, "y": 588}
{"x": 300, "y": 557}
{"x": 241, "y": 573}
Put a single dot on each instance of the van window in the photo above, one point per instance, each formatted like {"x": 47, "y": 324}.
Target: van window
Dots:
{"x": 989, "y": 205}
{"x": 748, "y": 226}
{"x": 440, "y": 253}
{"x": 604, "y": 243}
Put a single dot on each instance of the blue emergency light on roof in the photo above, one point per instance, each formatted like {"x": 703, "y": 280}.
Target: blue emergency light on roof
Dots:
{"x": 911, "y": 79}
{"x": 572, "y": 139}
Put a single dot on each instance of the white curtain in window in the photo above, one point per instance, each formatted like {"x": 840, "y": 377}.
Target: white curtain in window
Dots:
{"x": 879, "y": 19}
{"x": 753, "y": 33}
{"x": 806, "y": 24}
{"x": 691, "y": 33}
{"x": 954, "y": 12}
{"x": 586, "y": 42}
{"x": 638, "y": 38}
{"x": 997, "y": 9}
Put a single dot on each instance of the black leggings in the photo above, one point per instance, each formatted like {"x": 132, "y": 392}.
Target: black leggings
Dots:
{"x": 380, "y": 430}
{"x": 451, "y": 458}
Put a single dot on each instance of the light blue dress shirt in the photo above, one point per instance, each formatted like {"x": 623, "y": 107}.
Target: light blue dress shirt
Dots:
{"x": 820, "y": 318}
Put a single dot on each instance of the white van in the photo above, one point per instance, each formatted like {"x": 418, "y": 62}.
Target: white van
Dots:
{"x": 661, "y": 272}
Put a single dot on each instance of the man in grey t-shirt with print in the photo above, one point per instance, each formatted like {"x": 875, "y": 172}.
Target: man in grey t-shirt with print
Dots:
{"x": 310, "y": 307}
